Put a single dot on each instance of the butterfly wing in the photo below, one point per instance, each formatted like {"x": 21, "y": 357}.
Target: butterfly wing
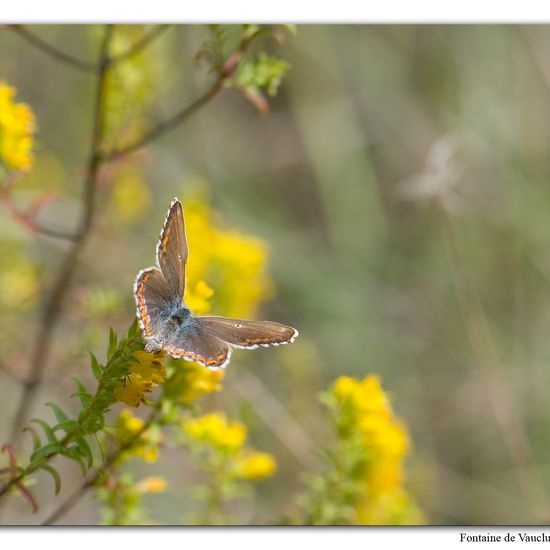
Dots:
{"x": 247, "y": 334}
{"x": 172, "y": 250}
{"x": 152, "y": 295}
{"x": 194, "y": 343}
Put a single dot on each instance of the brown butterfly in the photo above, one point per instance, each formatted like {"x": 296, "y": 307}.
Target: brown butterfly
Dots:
{"x": 167, "y": 323}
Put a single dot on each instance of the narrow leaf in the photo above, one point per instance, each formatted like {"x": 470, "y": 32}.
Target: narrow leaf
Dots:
{"x": 47, "y": 430}
{"x": 74, "y": 454}
{"x": 45, "y": 451}
{"x": 112, "y": 342}
{"x": 56, "y": 477}
{"x": 67, "y": 425}
{"x": 36, "y": 443}
{"x": 59, "y": 414}
{"x": 85, "y": 449}
{"x": 96, "y": 367}
{"x": 132, "y": 331}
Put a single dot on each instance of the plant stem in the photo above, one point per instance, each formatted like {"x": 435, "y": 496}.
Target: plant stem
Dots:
{"x": 52, "y": 51}
{"x": 226, "y": 72}
{"x": 72, "y": 434}
{"x": 109, "y": 461}
{"x": 62, "y": 281}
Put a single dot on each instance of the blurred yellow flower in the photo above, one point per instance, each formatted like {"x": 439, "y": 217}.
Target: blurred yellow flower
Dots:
{"x": 365, "y": 418}
{"x": 144, "y": 375}
{"x": 198, "y": 297}
{"x": 131, "y": 196}
{"x": 227, "y": 261}
{"x": 20, "y": 276}
{"x": 190, "y": 381}
{"x": 255, "y": 465}
{"x": 128, "y": 422}
{"x": 127, "y": 427}
{"x": 152, "y": 484}
{"x": 214, "y": 429}
{"x": 17, "y": 126}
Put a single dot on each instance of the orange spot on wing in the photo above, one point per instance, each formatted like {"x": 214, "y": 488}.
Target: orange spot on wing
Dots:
{"x": 141, "y": 305}
{"x": 218, "y": 360}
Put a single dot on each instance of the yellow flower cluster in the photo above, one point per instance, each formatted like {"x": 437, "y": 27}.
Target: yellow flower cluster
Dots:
{"x": 190, "y": 381}
{"x": 218, "y": 435}
{"x": 127, "y": 427}
{"x": 365, "y": 412}
{"x": 145, "y": 373}
{"x": 16, "y": 130}
{"x": 224, "y": 264}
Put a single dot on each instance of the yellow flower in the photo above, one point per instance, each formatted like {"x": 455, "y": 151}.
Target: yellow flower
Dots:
{"x": 197, "y": 298}
{"x": 143, "y": 375}
{"x": 227, "y": 261}
{"x": 192, "y": 380}
{"x": 366, "y": 417}
{"x": 149, "y": 366}
{"x": 152, "y": 484}
{"x": 214, "y": 429}
{"x": 16, "y": 130}
{"x": 254, "y": 465}
{"x": 129, "y": 422}
{"x": 132, "y": 391}
{"x": 146, "y": 447}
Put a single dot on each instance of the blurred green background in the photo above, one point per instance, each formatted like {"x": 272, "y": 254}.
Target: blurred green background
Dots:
{"x": 401, "y": 180}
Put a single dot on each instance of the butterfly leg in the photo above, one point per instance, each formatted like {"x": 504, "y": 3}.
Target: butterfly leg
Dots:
{"x": 152, "y": 344}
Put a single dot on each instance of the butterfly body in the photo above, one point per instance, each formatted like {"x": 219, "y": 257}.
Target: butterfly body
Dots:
{"x": 168, "y": 324}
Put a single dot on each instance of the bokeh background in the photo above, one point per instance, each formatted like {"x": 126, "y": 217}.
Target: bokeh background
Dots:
{"x": 401, "y": 181}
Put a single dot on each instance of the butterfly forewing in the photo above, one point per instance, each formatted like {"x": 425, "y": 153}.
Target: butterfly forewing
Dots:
{"x": 248, "y": 334}
{"x": 152, "y": 295}
{"x": 172, "y": 251}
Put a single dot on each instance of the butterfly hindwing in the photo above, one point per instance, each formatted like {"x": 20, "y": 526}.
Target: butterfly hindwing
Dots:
{"x": 152, "y": 295}
{"x": 247, "y": 334}
{"x": 172, "y": 250}
{"x": 194, "y": 343}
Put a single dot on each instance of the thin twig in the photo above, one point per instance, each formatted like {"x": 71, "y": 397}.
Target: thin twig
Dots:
{"x": 110, "y": 460}
{"x": 140, "y": 44}
{"x": 53, "y": 51}
{"x": 52, "y": 311}
{"x": 175, "y": 120}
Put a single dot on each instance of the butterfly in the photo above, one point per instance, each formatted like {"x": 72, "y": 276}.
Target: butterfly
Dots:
{"x": 168, "y": 324}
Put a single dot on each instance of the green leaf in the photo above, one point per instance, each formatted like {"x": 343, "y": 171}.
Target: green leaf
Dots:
{"x": 97, "y": 369}
{"x": 74, "y": 454}
{"x": 85, "y": 398}
{"x": 133, "y": 330}
{"x": 112, "y": 342}
{"x": 85, "y": 450}
{"x": 36, "y": 443}
{"x": 56, "y": 477}
{"x": 67, "y": 425}
{"x": 45, "y": 451}
{"x": 80, "y": 386}
{"x": 47, "y": 430}
{"x": 59, "y": 414}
